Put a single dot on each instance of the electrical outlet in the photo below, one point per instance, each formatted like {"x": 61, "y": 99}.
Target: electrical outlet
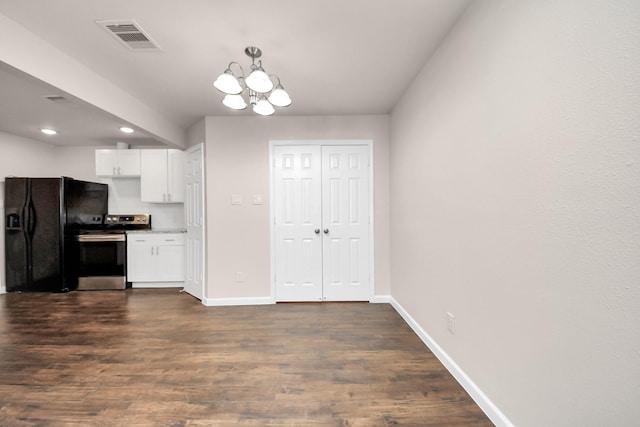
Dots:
{"x": 451, "y": 323}
{"x": 239, "y": 276}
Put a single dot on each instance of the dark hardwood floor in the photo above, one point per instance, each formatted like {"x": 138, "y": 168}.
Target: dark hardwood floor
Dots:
{"x": 158, "y": 357}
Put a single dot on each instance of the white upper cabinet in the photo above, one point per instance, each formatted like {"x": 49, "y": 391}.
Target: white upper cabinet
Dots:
{"x": 118, "y": 163}
{"x": 175, "y": 172}
{"x": 162, "y": 176}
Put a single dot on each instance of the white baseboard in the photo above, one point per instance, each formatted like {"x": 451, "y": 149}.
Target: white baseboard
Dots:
{"x": 380, "y": 299}
{"x": 157, "y": 284}
{"x": 377, "y": 299}
{"x": 481, "y": 399}
{"x": 213, "y": 302}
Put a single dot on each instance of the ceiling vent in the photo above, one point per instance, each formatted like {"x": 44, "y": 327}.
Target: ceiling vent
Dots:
{"x": 129, "y": 33}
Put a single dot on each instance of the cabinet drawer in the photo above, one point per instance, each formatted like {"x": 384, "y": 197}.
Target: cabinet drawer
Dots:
{"x": 170, "y": 239}
{"x": 156, "y": 239}
{"x": 140, "y": 240}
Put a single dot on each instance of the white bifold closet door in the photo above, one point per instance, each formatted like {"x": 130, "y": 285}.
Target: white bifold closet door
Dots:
{"x": 322, "y": 223}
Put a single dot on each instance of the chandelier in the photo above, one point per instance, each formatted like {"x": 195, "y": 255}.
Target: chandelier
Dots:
{"x": 258, "y": 87}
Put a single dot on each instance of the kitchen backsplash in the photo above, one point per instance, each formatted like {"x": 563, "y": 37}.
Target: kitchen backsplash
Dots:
{"x": 124, "y": 198}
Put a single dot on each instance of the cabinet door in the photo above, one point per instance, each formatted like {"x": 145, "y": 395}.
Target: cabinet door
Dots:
{"x": 153, "y": 176}
{"x": 170, "y": 259}
{"x": 125, "y": 163}
{"x": 141, "y": 258}
{"x": 106, "y": 162}
{"x": 128, "y": 162}
{"x": 175, "y": 176}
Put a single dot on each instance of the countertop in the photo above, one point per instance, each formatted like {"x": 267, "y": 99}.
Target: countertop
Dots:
{"x": 159, "y": 231}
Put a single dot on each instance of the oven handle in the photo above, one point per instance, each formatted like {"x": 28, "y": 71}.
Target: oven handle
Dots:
{"x": 101, "y": 238}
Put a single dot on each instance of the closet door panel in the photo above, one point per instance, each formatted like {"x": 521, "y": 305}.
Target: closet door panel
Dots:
{"x": 345, "y": 214}
{"x": 298, "y": 246}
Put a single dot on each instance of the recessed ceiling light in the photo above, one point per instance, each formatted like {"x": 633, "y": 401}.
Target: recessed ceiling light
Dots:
{"x": 48, "y": 131}
{"x": 126, "y": 129}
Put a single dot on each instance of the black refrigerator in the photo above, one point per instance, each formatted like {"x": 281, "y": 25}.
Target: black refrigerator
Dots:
{"x": 41, "y": 217}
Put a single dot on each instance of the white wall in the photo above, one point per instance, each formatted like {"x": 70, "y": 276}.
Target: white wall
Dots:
{"x": 515, "y": 170}
{"x": 237, "y": 162}
{"x": 196, "y": 134}
{"x": 26, "y": 157}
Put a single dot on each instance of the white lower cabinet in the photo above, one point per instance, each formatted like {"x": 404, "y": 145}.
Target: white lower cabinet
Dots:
{"x": 155, "y": 259}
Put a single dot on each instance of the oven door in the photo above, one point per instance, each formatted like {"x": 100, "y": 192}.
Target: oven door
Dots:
{"x": 101, "y": 261}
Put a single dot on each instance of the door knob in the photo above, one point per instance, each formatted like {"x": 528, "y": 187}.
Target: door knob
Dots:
{"x": 326, "y": 231}
{"x": 317, "y": 231}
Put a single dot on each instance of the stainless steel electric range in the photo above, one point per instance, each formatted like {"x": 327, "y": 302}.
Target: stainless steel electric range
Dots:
{"x": 101, "y": 251}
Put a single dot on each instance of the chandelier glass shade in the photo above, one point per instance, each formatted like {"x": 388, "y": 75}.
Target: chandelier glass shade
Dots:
{"x": 258, "y": 87}
{"x": 235, "y": 102}
{"x": 259, "y": 81}
{"x": 227, "y": 82}
{"x": 279, "y": 97}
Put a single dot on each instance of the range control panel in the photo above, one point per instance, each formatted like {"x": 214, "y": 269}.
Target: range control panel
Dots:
{"x": 128, "y": 221}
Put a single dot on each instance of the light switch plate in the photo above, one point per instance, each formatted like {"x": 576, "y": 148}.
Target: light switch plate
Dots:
{"x": 236, "y": 199}
{"x": 257, "y": 199}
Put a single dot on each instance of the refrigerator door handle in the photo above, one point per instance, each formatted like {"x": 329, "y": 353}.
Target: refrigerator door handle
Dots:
{"x": 31, "y": 219}
{"x": 23, "y": 216}
{"x": 27, "y": 226}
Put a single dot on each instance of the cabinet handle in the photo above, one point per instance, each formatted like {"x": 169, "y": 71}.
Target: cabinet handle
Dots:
{"x": 119, "y": 170}
{"x": 157, "y": 250}
{"x": 169, "y": 197}
{"x": 326, "y": 231}
{"x": 151, "y": 250}
{"x": 114, "y": 171}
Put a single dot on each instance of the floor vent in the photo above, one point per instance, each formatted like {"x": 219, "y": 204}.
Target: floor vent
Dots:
{"x": 129, "y": 33}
